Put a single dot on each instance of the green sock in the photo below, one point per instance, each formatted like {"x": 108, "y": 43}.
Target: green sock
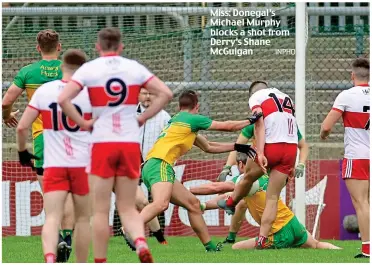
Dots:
{"x": 210, "y": 246}
{"x": 66, "y": 232}
{"x": 232, "y": 235}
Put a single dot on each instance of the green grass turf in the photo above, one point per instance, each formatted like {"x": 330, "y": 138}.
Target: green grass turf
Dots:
{"x": 188, "y": 249}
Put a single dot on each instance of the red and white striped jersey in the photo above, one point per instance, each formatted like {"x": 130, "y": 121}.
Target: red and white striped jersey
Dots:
{"x": 278, "y": 113}
{"x": 113, "y": 85}
{"x": 354, "y": 106}
{"x": 65, "y": 144}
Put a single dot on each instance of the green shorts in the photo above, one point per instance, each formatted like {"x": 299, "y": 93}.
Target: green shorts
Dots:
{"x": 38, "y": 145}
{"x": 292, "y": 235}
{"x": 156, "y": 170}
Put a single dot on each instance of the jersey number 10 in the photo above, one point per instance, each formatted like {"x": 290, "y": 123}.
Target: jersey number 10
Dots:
{"x": 65, "y": 124}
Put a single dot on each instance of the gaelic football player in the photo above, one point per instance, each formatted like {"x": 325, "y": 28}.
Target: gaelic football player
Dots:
{"x": 28, "y": 79}
{"x": 66, "y": 148}
{"x": 113, "y": 84}
{"x": 176, "y": 140}
{"x": 286, "y": 232}
{"x": 353, "y": 105}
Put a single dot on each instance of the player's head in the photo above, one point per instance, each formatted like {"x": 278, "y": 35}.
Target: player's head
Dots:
{"x": 145, "y": 97}
{"x": 360, "y": 71}
{"x": 48, "y": 42}
{"x": 188, "y": 101}
{"x": 109, "y": 40}
{"x": 71, "y": 61}
{"x": 241, "y": 160}
{"x": 257, "y": 85}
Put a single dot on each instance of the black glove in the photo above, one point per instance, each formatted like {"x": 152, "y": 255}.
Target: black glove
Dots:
{"x": 246, "y": 149}
{"x": 255, "y": 117}
{"x": 25, "y": 158}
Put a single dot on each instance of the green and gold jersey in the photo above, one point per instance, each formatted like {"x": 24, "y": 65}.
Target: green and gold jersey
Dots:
{"x": 178, "y": 137}
{"x": 248, "y": 132}
{"x": 34, "y": 75}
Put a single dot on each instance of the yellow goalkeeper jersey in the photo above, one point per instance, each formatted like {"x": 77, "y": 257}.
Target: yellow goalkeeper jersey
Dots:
{"x": 256, "y": 206}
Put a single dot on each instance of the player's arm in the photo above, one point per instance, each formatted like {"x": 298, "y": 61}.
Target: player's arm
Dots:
{"x": 28, "y": 117}
{"x": 232, "y": 126}
{"x": 303, "y": 147}
{"x": 10, "y": 97}
{"x": 212, "y": 188}
{"x": 70, "y": 91}
{"x": 212, "y": 147}
{"x": 333, "y": 116}
{"x": 162, "y": 95}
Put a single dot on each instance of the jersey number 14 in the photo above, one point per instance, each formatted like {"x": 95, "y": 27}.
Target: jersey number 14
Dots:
{"x": 286, "y": 106}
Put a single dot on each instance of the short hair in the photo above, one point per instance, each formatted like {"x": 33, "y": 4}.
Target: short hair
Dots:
{"x": 255, "y": 83}
{"x": 360, "y": 68}
{"x": 241, "y": 157}
{"x": 188, "y": 99}
{"x": 74, "y": 58}
{"x": 48, "y": 40}
{"x": 109, "y": 39}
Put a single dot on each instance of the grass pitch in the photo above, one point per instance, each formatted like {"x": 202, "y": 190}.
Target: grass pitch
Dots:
{"x": 188, "y": 250}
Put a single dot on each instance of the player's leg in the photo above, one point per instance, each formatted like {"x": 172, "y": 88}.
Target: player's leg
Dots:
{"x": 276, "y": 183}
{"x": 313, "y": 243}
{"x": 141, "y": 202}
{"x": 236, "y": 221}
{"x": 158, "y": 177}
{"x": 251, "y": 174}
{"x": 67, "y": 224}
{"x": 55, "y": 188}
{"x": 101, "y": 199}
{"x": 184, "y": 198}
{"x": 129, "y": 216}
{"x": 245, "y": 244}
{"x": 359, "y": 192}
{"x": 82, "y": 207}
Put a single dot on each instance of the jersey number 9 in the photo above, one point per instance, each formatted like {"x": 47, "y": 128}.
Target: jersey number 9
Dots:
{"x": 119, "y": 91}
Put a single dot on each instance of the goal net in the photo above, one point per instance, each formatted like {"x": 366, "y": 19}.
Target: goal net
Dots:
{"x": 174, "y": 42}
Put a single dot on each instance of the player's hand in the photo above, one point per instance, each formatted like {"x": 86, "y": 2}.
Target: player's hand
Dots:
{"x": 225, "y": 171}
{"x": 300, "y": 169}
{"x": 12, "y": 121}
{"x": 262, "y": 162}
{"x": 246, "y": 149}
{"x": 88, "y": 124}
{"x": 25, "y": 158}
{"x": 255, "y": 117}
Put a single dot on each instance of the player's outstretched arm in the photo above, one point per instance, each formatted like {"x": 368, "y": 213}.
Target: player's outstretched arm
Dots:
{"x": 10, "y": 97}
{"x": 212, "y": 188}
{"x": 212, "y": 147}
{"x": 232, "y": 126}
{"x": 28, "y": 117}
{"x": 162, "y": 95}
{"x": 328, "y": 123}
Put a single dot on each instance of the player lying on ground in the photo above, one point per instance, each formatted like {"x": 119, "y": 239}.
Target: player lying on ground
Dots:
{"x": 245, "y": 136}
{"x": 113, "y": 84}
{"x": 176, "y": 140}
{"x": 66, "y": 148}
{"x": 28, "y": 79}
{"x": 353, "y": 105}
{"x": 286, "y": 232}
{"x": 276, "y": 146}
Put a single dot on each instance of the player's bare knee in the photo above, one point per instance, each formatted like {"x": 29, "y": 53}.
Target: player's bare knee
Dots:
{"x": 141, "y": 203}
{"x": 161, "y": 205}
{"x": 193, "y": 205}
